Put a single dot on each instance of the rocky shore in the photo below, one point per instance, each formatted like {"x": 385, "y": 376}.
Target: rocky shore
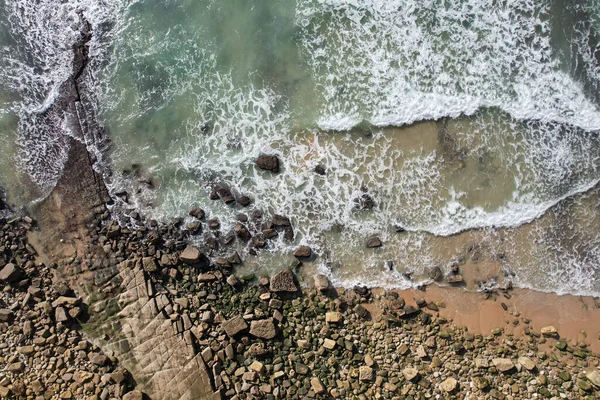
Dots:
{"x": 140, "y": 311}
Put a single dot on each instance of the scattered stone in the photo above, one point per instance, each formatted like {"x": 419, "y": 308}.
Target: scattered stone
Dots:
{"x": 11, "y": 273}
{"x": 503, "y": 364}
{"x": 197, "y": 212}
{"x": 373, "y": 243}
{"x": 365, "y": 373}
{"x": 268, "y": 162}
{"x": 234, "y": 326}
{"x": 410, "y": 373}
{"x": 449, "y": 385}
{"x": 191, "y": 255}
{"x": 264, "y": 329}
{"x": 283, "y": 281}
{"x": 527, "y": 363}
{"x": 333, "y": 317}
{"x": 594, "y": 378}
{"x": 6, "y": 315}
{"x": 549, "y": 331}
{"x": 303, "y": 252}
{"x": 317, "y": 386}
{"x": 454, "y": 279}
{"x": 329, "y": 344}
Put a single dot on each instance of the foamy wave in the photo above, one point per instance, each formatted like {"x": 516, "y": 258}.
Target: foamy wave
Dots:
{"x": 397, "y": 62}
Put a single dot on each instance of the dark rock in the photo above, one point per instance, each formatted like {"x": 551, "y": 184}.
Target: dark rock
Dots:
{"x": 283, "y": 281}
{"x": 303, "y": 251}
{"x": 400, "y": 229}
{"x": 362, "y": 291}
{"x": 269, "y": 233}
{"x": 196, "y": 212}
{"x": 244, "y": 201}
{"x": 436, "y": 274}
{"x": 364, "y": 202}
{"x": 268, "y": 162}
{"x": 6, "y": 315}
{"x": 280, "y": 220}
{"x": 213, "y": 194}
{"x": 320, "y": 169}
{"x": 242, "y": 217}
{"x": 242, "y": 232}
{"x": 11, "y": 273}
{"x": 194, "y": 226}
{"x": 288, "y": 233}
{"x": 214, "y": 223}
{"x": 373, "y": 242}
{"x": 361, "y": 311}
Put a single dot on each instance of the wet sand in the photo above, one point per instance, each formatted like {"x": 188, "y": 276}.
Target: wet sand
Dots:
{"x": 576, "y": 318}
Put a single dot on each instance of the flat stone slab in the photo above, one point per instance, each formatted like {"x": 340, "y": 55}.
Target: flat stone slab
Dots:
{"x": 283, "y": 281}
{"x": 234, "y": 326}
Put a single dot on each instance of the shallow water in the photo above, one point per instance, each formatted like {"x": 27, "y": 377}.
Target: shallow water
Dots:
{"x": 464, "y": 120}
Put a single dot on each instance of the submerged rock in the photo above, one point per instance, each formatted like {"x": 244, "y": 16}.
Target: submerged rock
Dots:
{"x": 374, "y": 242}
{"x": 268, "y": 162}
{"x": 303, "y": 252}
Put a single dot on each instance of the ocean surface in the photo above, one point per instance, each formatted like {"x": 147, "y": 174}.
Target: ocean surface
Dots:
{"x": 472, "y": 124}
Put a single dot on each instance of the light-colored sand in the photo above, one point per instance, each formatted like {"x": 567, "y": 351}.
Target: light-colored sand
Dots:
{"x": 575, "y": 318}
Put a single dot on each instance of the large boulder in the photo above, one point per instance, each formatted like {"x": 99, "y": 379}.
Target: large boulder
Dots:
{"x": 11, "y": 273}
{"x": 268, "y": 162}
{"x": 234, "y": 326}
{"x": 283, "y": 281}
{"x": 263, "y": 328}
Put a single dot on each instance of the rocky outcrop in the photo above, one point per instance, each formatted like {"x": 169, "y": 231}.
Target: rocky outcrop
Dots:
{"x": 160, "y": 351}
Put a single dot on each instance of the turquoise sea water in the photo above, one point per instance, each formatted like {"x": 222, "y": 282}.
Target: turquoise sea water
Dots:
{"x": 474, "y": 116}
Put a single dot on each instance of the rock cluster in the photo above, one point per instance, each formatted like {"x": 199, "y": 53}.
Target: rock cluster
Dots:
{"x": 44, "y": 352}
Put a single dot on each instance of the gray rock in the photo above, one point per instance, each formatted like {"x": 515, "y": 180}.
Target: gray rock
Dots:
{"x": 283, "y": 281}
{"x": 60, "y": 314}
{"x": 373, "y": 243}
{"x": 594, "y": 378}
{"x": 264, "y": 328}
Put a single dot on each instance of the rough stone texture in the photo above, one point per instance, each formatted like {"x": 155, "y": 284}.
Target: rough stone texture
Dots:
{"x": 594, "y": 378}
{"x": 449, "y": 385}
{"x": 283, "y": 281}
{"x": 234, "y": 326}
{"x": 264, "y": 328}
{"x": 162, "y": 359}
{"x": 503, "y": 364}
{"x": 365, "y": 373}
{"x": 527, "y": 363}
{"x": 410, "y": 373}
{"x": 333, "y": 317}
{"x": 268, "y": 162}
{"x": 317, "y": 386}
{"x": 10, "y": 273}
{"x": 303, "y": 252}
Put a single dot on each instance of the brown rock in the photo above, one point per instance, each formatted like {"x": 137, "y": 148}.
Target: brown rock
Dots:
{"x": 191, "y": 255}
{"x": 322, "y": 283}
{"x": 149, "y": 264}
{"x": 264, "y": 328}
{"x": 60, "y": 314}
{"x": 374, "y": 242}
{"x": 5, "y": 315}
{"x": 234, "y": 326}
{"x": 196, "y": 212}
{"x": 133, "y": 395}
{"x": 283, "y": 281}
{"x": 268, "y": 162}
{"x": 303, "y": 251}
{"x": 11, "y": 273}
